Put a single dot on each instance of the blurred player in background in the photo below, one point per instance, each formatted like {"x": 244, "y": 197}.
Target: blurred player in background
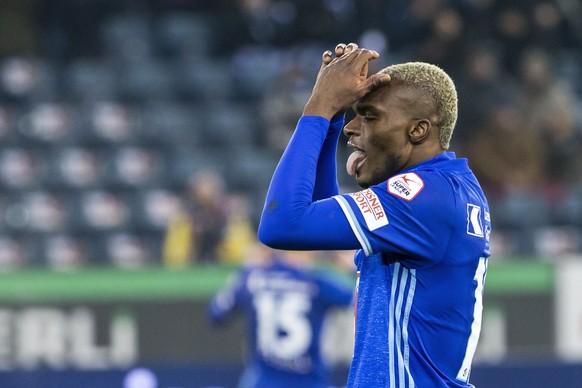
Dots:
{"x": 421, "y": 223}
{"x": 285, "y": 301}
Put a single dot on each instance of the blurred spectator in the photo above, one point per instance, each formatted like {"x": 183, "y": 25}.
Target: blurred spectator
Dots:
{"x": 240, "y": 234}
{"x": 177, "y": 249}
{"x": 548, "y": 105}
{"x": 285, "y": 302}
{"x": 549, "y": 26}
{"x": 195, "y": 234}
{"x": 513, "y": 28}
{"x": 506, "y": 154}
{"x": 482, "y": 85}
{"x": 208, "y": 212}
{"x": 445, "y": 45}
{"x": 540, "y": 89}
{"x": 563, "y": 137}
{"x": 215, "y": 226}
{"x": 511, "y": 160}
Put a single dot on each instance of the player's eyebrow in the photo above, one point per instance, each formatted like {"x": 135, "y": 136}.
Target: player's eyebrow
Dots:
{"x": 362, "y": 107}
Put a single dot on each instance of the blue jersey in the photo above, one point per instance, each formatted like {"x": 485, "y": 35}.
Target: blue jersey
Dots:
{"x": 423, "y": 237}
{"x": 285, "y": 308}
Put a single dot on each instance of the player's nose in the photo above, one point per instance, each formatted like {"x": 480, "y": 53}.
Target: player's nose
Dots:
{"x": 352, "y": 128}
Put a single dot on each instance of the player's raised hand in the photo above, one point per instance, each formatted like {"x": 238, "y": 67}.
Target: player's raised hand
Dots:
{"x": 340, "y": 49}
{"x": 343, "y": 80}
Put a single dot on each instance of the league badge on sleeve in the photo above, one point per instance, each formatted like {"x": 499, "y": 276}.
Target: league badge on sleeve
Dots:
{"x": 406, "y": 186}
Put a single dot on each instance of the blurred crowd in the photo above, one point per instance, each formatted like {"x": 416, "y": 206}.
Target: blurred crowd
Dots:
{"x": 135, "y": 133}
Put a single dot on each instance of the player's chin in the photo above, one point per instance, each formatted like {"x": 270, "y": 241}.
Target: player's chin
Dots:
{"x": 365, "y": 179}
{"x": 362, "y": 181}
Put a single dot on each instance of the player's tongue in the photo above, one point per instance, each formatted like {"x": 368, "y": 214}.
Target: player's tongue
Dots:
{"x": 354, "y": 161}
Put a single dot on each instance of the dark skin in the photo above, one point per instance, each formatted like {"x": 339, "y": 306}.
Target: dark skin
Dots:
{"x": 395, "y": 126}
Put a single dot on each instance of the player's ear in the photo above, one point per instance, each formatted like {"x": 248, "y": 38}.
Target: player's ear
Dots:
{"x": 419, "y": 131}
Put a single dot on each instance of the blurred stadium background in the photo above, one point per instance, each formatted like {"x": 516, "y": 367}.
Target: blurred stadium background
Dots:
{"x": 112, "y": 111}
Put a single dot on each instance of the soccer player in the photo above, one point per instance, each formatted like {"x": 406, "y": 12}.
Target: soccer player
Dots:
{"x": 285, "y": 301}
{"x": 421, "y": 222}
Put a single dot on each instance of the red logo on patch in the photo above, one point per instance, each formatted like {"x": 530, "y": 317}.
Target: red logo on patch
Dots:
{"x": 408, "y": 181}
{"x": 406, "y": 186}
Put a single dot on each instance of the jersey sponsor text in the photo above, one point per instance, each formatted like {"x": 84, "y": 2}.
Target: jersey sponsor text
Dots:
{"x": 371, "y": 208}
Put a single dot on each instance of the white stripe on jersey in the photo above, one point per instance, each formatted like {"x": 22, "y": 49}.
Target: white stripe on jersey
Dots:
{"x": 391, "y": 323}
{"x": 356, "y": 228}
{"x": 405, "y": 325}
{"x": 480, "y": 274}
{"x": 397, "y": 331}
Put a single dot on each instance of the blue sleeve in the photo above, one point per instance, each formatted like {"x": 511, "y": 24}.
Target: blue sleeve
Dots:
{"x": 226, "y": 301}
{"x": 414, "y": 230}
{"x": 291, "y": 219}
{"x": 326, "y": 184}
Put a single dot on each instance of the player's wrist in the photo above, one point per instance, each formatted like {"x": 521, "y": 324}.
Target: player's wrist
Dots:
{"x": 316, "y": 108}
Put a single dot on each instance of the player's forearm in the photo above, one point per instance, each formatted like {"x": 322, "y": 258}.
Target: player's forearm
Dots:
{"x": 292, "y": 187}
{"x": 326, "y": 184}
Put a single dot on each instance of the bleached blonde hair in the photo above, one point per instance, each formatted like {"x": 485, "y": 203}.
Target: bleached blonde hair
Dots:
{"x": 435, "y": 83}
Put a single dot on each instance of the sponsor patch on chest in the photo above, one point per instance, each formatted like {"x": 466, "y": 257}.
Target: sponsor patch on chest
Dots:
{"x": 406, "y": 186}
{"x": 371, "y": 208}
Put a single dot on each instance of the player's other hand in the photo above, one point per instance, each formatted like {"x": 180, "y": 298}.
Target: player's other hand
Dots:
{"x": 342, "y": 80}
